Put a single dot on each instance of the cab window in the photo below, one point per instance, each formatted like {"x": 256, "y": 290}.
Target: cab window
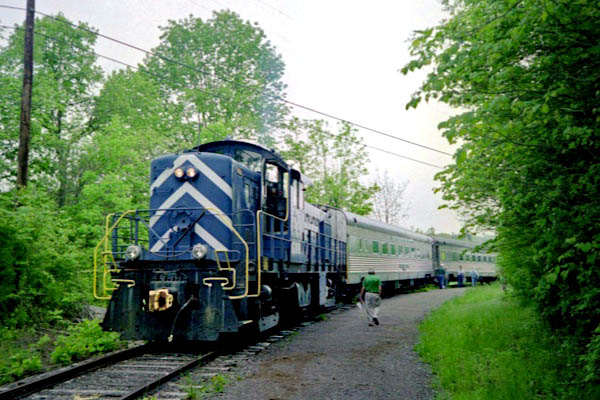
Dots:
{"x": 247, "y": 194}
{"x": 250, "y": 159}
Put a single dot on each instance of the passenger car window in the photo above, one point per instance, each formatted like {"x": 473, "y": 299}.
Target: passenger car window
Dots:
{"x": 375, "y": 246}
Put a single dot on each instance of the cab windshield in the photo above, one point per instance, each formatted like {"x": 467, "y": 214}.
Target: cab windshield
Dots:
{"x": 250, "y": 159}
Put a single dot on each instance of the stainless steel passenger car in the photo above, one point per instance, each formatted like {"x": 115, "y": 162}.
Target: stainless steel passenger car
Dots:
{"x": 454, "y": 253}
{"x": 401, "y": 257}
{"x": 397, "y": 255}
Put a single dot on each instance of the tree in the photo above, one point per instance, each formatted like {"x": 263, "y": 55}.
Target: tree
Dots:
{"x": 222, "y": 72}
{"x": 388, "y": 203}
{"x": 136, "y": 100}
{"x": 335, "y": 162}
{"x": 527, "y": 72}
{"x": 65, "y": 77}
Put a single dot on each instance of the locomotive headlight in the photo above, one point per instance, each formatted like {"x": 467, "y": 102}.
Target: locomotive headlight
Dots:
{"x": 178, "y": 173}
{"x": 199, "y": 251}
{"x": 133, "y": 252}
{"x": 190, "y": 172}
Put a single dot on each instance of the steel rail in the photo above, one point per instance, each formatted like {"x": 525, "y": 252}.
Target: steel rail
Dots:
{"x": 144, "y": 389}
{"x": 25, "y": 388}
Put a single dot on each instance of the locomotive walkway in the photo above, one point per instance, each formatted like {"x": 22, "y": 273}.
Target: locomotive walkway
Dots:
{"x": 344, "y": 358}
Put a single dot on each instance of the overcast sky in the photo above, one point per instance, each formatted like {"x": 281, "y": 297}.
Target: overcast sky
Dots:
{"x": 342, "y": 57}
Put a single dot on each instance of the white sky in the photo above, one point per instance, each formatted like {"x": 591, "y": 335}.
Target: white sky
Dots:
{"x": 342, "y": 57}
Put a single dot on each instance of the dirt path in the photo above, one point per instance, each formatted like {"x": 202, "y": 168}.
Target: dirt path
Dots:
{"x": 344, "y": 358}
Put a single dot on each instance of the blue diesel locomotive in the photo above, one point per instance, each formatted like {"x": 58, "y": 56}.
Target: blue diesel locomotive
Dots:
{"x": 229, "y": 243}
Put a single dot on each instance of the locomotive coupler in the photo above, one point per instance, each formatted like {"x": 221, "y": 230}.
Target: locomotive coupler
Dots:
{"x": 160, "y": 300}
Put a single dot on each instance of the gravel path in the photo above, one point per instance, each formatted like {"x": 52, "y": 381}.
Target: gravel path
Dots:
{"x": 344, "y": 358}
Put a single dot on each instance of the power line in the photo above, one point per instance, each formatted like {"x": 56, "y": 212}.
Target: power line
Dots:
{"x": 264, "y": 3}
{"x": 162, "y": 79}
{"x": 101, "y": 56}
{"x": 363, "y": 127}
{"x": 148, "y": 52}
{"x": 215, "y": 95}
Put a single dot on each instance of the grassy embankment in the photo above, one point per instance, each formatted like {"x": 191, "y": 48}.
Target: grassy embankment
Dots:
{"x": 484, "y": 345}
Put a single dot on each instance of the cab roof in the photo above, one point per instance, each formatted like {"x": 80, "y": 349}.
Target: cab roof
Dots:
{"x": 228, "y": 147}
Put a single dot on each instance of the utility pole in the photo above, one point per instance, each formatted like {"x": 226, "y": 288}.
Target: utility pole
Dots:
{"x": 25, "y": 125}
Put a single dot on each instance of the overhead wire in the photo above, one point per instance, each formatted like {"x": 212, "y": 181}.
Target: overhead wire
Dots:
{"x": 264, "y": 3}
{"x": 148, "y": 52}
{"x": 101, "y": 56}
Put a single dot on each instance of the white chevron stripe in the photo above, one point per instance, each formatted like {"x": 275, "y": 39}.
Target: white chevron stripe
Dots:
{"x": 208, "y": 238}
{"x": 202, "y": 167}
{"x": 161, "y": 242}
{"x": 199, "y": 197}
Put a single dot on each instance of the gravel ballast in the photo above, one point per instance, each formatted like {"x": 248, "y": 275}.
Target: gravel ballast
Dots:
{"x": 344, "y": 358}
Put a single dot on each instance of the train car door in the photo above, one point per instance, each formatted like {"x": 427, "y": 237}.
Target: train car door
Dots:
{"x": 435, "y": 255}
{"x": 275, "y": 190}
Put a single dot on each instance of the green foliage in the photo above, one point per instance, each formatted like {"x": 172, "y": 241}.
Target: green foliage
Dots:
{"x": 63, "y": 90}
{"x": 19, "y": 361}
{"x": 91, "y": 148}
{"x": 224, "y": 73}
{"x": 84, "y": 340}
{"x": 527, "y": 73}
{"x": 485, "y": 345}
{"x": 335, "y": 163}
{"x": 135, "y": 99}
{"x": 215, "y": 384}
{"x": 40, "y": 261}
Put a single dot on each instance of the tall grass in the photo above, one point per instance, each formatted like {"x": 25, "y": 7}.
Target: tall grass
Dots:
{"x": 484, "y": 345}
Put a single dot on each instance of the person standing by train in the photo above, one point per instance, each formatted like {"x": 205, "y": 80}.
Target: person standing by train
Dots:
{"x": 370, "y": 296}
{"x": 474, "y": 277}
{"x": 440, "y": 275}
{"x": 460, "y": 276}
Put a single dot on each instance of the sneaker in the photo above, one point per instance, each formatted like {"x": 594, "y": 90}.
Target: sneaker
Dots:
{"x": 370, "y": 324}
{"x": 376, "y": 321}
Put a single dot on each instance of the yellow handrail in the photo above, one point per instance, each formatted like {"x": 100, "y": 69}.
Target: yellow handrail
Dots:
{"x": 258, "y": 242}
{"x": 233, "y": 271}
{"x": 106, "y": 253}
{"x": 235, "y": 232}
{"x": 217, "y": 213}
{"x": 215, "y": 278}
{"x": 104, "y": 241}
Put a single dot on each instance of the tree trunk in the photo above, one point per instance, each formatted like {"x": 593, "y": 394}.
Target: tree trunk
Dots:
{"x": 25, "y": 124}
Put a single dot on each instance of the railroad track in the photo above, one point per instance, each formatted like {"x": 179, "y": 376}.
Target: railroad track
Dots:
{"x": 127, "y": 374}
{"x": 138, "y": 371}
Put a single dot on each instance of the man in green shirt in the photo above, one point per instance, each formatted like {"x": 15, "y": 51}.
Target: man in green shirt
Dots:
{"x": 370, "y": 296}
{"x": 440, "y": 275}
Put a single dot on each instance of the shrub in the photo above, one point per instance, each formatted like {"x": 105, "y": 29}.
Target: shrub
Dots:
{"x": 40, "y": 262}
{"x": 20, "y": 361}
{"x": 85, "y": 339}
